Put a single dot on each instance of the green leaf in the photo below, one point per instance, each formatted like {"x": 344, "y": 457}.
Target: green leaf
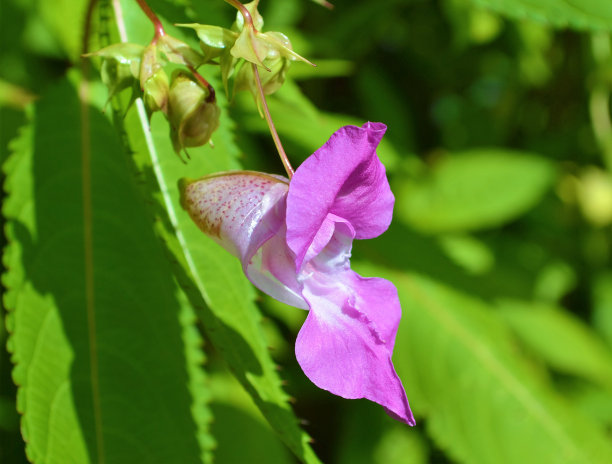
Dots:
{"x": 107, "y": 358}
{"x": 213, "y": 278}
{"x": 560, "y": 339}
{"x": 481, "y": 402}
{"x": 65, "y": 18}
{"x": 237, "y": 416}
{"x": 473, "y": 190}
{"x": 595, "y": 15}
{"x": 602, "y": 305}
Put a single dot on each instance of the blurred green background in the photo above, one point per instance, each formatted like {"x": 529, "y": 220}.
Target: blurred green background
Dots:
{"x": 499, "y": 152}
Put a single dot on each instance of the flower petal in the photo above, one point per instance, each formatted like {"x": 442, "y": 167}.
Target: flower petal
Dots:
{"x": 346, "y": 343}
{"x": 346, "y": 178}
{"x": 244, "y": 212}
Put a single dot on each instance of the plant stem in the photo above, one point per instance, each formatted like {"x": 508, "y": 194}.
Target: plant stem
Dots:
{"x": 275, "y": 137}
{"x": 159, "y": 28}
{"x": 248, "y": 19}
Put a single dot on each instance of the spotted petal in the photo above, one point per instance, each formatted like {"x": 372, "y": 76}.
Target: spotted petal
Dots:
{"x": 244, "y": 212}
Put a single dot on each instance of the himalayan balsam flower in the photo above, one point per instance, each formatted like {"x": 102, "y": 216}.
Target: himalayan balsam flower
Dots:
{"x": 294, "y": 241}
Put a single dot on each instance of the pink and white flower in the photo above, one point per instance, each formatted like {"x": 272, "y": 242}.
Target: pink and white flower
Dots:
{"x": 294, "y": 240}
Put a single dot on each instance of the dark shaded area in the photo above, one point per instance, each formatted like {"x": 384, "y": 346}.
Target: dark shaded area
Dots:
{"x": 59, "y": 272}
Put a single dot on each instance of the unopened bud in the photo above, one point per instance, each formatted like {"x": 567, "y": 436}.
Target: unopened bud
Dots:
{"x": 216, "y": 42}
{"x": 192, "y": 112}
{"x": 180, "y": 52}
{"x": 276, "y": 63}
{"x": 153, "y": 80}
{"x": 272, "y": 78}
{"x": 257, "y": 19}
{"x": 156, "y": 91}
{"x": 256, "y": 47}
{"x": 120, "y": 66}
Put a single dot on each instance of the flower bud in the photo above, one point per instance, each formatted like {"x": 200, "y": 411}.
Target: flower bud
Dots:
{"x": 216, "y": 42}
{"x": 153, "y": 80}
{"x": 276, "y": 63}
{"x": 251, "y": 7}
{"x": 256, "y": 47}
{"x": 120, "y": 66}
{"x": 271, "y": 80}
{"x": 179, "y": 52}
{"x": 155, "y": 92}
{"x": 192, "y": 112}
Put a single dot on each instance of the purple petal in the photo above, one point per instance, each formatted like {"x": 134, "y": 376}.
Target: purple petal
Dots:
{"x": 345, "y": 178}
{"x": 346, "y": 343}
{"x": 245, "y": 213}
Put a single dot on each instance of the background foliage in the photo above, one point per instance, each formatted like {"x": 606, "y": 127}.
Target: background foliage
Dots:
{"x": 133, "y": 338}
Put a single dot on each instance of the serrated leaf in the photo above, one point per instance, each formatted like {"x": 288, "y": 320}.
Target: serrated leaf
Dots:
{"x": 107, "y": 358}
{"x": 481, "y": 401}
{"x": 560, "y": 339}
{"x": 594, "y": 15}
{"x": 473, "y": 190}
{"x": 219, "y": 290}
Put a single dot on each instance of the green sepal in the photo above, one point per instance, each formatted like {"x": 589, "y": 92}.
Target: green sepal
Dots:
{"x": 192, "y": 114}
{"x": 180, "y": 52}
{"x": 120, "y": 67}
{"x": 258, "y": 21}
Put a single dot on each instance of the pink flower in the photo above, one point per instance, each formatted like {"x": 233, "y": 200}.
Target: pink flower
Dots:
{"x": 294, "y": 241}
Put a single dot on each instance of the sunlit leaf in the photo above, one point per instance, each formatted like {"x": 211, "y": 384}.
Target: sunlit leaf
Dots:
{"x": 584, "y": 15}
{"x": 472, "y": 190}
{"x": 560, "y": 339}
{"x": 463, "y": 375}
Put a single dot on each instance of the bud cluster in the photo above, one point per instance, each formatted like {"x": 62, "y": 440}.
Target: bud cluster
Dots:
{"x": 188, "y": 104}
{"x": 244, "y": 44}
{"x": 186, "y": 99}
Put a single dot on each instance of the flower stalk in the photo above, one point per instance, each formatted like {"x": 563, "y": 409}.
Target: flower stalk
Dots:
{"x": 273, "y": 132}
{"x": 248, "y": 22}
{"x": 159, "y": 28}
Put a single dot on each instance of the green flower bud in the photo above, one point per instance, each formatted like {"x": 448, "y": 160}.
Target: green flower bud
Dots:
{"x": 192, "y": 112}
{"x": 120, "y": 65}
{"x": 179, "y": 52}
{"x": 276, "y": 63}
{"x": 153, "y": 81}
{"x": 156, "y": 91}
{"x": 258, "y": 21}
{"x": 271, "y": 80}
{"x": 256, "y": 47}
{"x": 216, "y": 42}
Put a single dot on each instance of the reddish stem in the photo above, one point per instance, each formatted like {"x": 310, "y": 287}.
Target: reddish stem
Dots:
{"x": 211, "y": 96}
{"x": 275, "y": 137}
{"x": 248, "y": 19}
{"x": 159, "y": 28}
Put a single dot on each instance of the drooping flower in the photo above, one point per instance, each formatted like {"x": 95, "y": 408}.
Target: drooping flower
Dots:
{"x": 294, "y": 241}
